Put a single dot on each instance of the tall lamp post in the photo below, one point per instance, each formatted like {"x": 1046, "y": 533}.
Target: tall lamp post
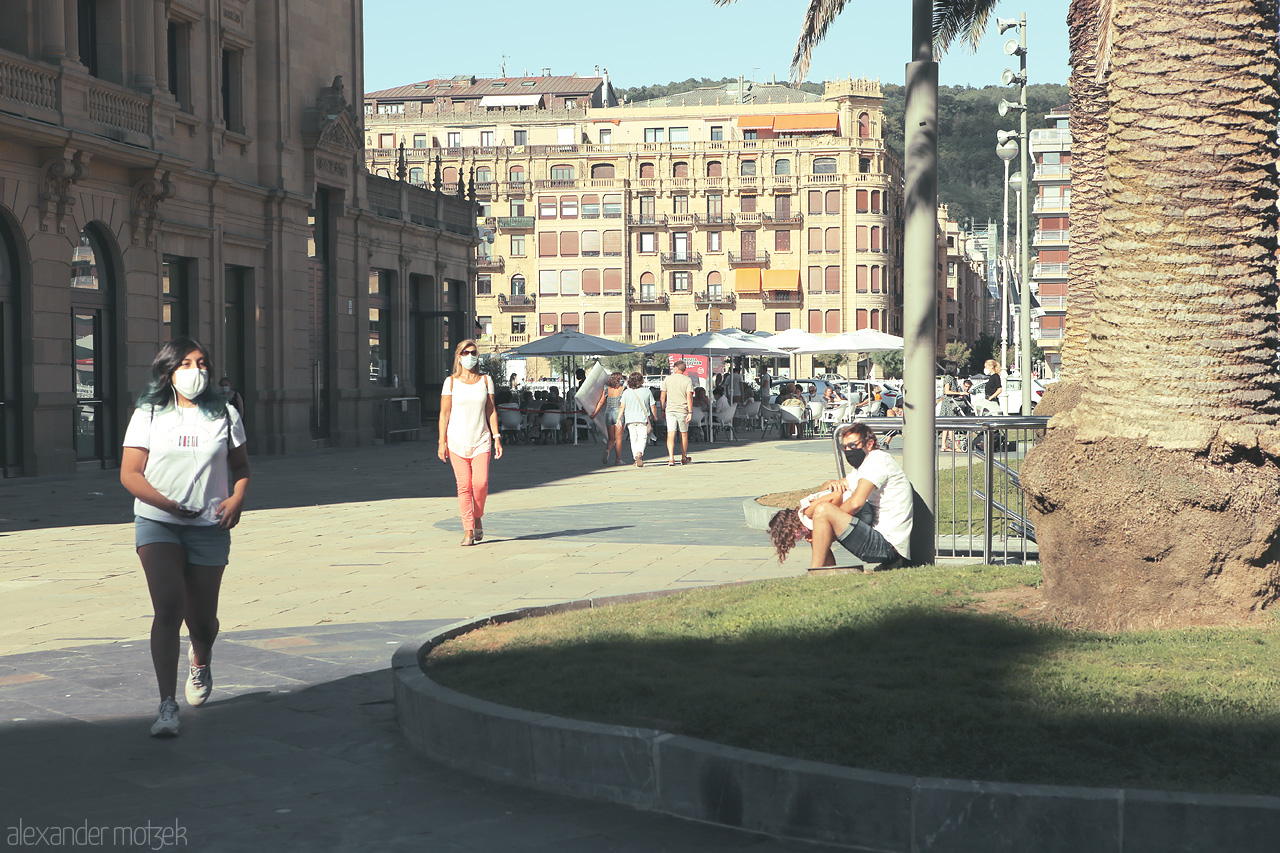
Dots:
{"x": 1006, "y": 149}
{"x": 1018, "y": 47}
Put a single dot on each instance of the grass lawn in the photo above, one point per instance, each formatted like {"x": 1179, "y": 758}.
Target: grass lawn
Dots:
{"x": 938, "y": 671}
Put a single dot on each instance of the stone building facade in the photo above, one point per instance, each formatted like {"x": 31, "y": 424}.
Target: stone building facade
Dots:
{"x": 751, "y": 205}
{"x": 197, "y": 167}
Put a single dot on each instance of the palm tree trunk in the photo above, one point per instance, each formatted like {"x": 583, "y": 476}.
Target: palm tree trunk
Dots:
{"x": 1158, "y": 495}
{"x": 1088, "y": 142}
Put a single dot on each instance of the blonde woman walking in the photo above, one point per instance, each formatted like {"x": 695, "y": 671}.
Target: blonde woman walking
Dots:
{"x": 468, "y": 433}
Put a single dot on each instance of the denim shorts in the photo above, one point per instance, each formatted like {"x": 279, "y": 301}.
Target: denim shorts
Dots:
{"x": 205, "y": 544}
{"x": 862, "y": 540}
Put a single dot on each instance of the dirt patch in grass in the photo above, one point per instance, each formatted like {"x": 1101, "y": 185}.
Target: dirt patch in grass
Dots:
{"x": 1020, "y": 602}
{"x": 787, "y": 500}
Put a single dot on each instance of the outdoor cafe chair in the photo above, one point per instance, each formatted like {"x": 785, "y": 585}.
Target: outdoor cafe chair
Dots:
{"x": 511, "y": 422}
{"x": 749, "y": 413}
{"x": 725, "y": 426}
{"x": 770, "y": 419}
{"x": 549, "y": 426}
{"x": 698, "y": 421}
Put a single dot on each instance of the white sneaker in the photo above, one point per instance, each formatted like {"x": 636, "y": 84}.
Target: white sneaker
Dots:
{"x": 166, "y": 724}
{"x": 199, "y": 685}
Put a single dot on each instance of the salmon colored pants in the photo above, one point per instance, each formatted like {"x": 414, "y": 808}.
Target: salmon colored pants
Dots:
{"x": 473, "y": 487}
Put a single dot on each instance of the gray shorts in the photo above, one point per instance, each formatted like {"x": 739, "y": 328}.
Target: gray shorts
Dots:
{"x": 205, "y": 544}
{"x": 862, "y": 540}
{"x": 677, "y": 423}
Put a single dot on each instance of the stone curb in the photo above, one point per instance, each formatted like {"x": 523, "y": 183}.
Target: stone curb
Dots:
{"x": 796, "y": 799}
{"x": 758, "y": 516}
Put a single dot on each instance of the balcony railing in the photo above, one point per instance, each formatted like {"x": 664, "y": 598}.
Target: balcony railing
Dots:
{"x": 648, "y": 337}
{"x": 515, "y": 300}
{"x": 682, "y": 219}
{"x": 681, "y": 259}
{"x": 1049, "y": 270}
{"x": 497, "y": 264}
{"x": 782, "y": 297}
{"x": 1052, "y": 172}
{"x": 741, "y": 218}
{"x": 716, "y": 220}
{"x": 515, "y": 187}
{"x": 654, "y": 299}
{"x": 515, "y": 223}
{"x": 759, "y": 257}
{"x": 1053, "y": 303}
{"x": 1051, "y": 203}
{"x": 654, "y": 219}
{"x": 781, "y": 219}
{"x": 1050, "y": 238}
{"x": 703, "y": 298}
{"x": 1048, "y": 334}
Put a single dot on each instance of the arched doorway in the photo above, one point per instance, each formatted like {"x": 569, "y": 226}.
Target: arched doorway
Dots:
{"x": 93, "y": 283}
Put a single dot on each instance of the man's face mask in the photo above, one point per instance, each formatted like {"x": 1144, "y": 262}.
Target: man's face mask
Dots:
{"x": 855, "y": 456}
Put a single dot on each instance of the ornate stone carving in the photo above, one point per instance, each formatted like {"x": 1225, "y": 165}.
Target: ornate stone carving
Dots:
{"x": 150, "y": 187}
{"x": 333, "y": 127}
{"x": 57, "y": 175}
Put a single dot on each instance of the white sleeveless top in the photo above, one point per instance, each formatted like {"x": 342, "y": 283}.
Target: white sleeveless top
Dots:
{"x": 467, "y": 433}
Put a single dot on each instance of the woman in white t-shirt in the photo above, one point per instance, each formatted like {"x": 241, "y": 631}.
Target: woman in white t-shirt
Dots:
{"x": 468, "y": 426}
{"x": 185, "y": 463}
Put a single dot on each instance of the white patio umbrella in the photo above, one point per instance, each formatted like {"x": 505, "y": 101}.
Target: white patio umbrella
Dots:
{"x": 713, "y": 343}
{"x": 793, "y": 340}
{"x": 566, "y": 343}
{"x": 863, "y": 340}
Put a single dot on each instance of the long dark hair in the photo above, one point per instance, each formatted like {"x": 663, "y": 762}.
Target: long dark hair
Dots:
{"x": 159, "y": 391}
{"x": 784, "y": 530}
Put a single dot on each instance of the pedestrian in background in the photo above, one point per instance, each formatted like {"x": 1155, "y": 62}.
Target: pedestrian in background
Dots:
{"x": 468, "y": 434}
{"x": 677, "y": 402}
{"x": 637, "y": 411}
{"x": 185, "y": 463}
{"x": 611, "y": 401}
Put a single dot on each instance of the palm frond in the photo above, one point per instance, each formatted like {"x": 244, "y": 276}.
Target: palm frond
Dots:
{"x": 960, "y": 20}
{"x": 819, "y": 17}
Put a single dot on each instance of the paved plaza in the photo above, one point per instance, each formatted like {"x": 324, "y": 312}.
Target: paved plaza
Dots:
{"x": 341, "y": 556}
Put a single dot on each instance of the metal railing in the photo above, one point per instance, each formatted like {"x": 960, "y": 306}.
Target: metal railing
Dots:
{"x": 980, "y": 506}
{"x": 401, "y": 416}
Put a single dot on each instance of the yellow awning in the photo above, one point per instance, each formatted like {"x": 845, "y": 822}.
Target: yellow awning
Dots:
{"x": 746, "y": 281}
{"x": 781, "y": 279}
{"x": 805, "y": 123}
{"x": 755, "y": 122}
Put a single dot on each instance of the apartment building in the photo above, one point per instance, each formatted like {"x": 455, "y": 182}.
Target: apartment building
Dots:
{"x": 963, "y": 298}
{"x": 1051, "y": 191}
{"x": 752, "y": 205}
{"x": 197, "y": 167}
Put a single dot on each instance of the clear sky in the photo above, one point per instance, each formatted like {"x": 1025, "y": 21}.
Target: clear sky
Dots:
{"x": 663, "y": 40}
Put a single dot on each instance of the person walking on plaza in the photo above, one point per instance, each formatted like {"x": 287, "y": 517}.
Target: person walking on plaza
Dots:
{"x": 468, "y": 431}
{"x": 869, "y": 512}
{"x": 610, "y": 401}
{"x": 995, "y": 386}
{"x": 677, "y": 402}
{"x": 185, "y": 463}
{"x": 637, "y": 412}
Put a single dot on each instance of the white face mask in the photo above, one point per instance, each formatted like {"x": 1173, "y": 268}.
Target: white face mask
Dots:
{"x": 470, "y": 362}
{"x": 190, "y": 382}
